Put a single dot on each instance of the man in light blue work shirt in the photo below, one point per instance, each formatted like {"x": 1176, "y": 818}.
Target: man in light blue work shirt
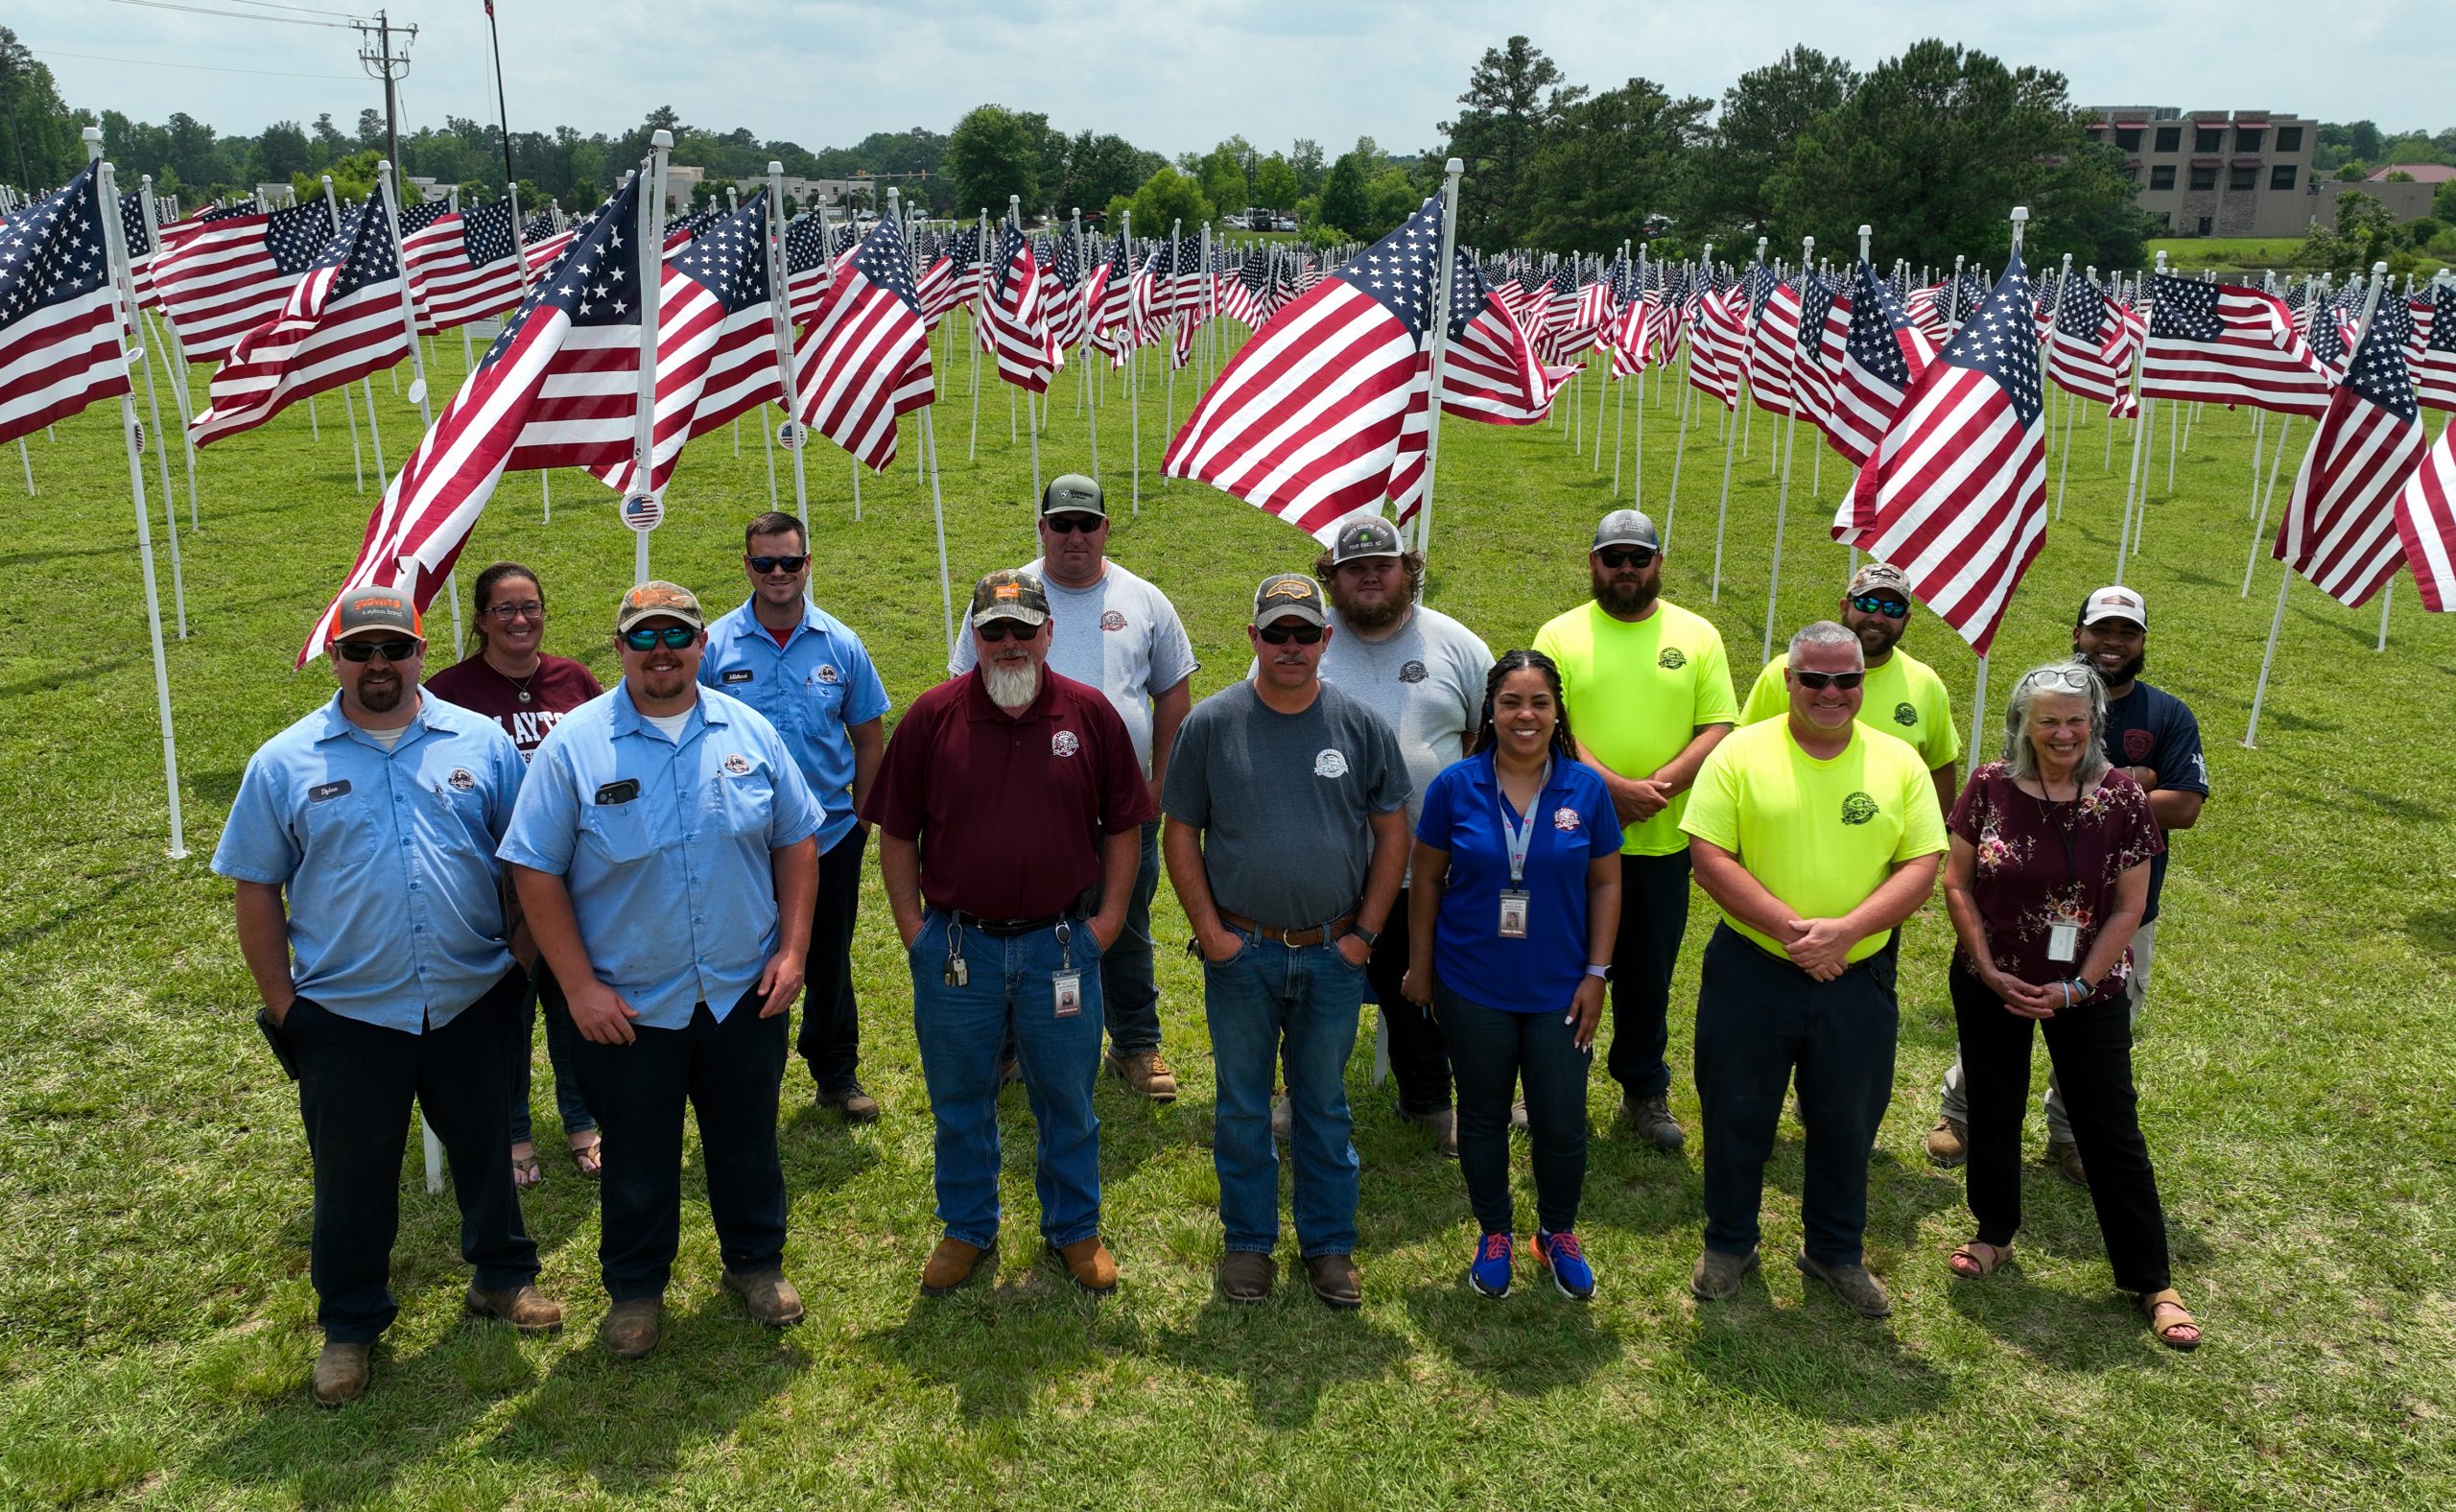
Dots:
{"x": 1120, "y": 634}
{"x": 371, "y": 916}
{"x": 811, "y": 675}
{"x": 665, "y": 849}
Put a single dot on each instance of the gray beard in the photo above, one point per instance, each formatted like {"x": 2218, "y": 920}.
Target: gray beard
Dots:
{"x": 1010, "y": 690}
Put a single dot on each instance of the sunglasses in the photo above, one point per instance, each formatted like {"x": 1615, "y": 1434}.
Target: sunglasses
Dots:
{"x": 673, "y": 636}
{"x": 1282, "y": 634}
{"x": 996, "y": 630}
{"x": 509, "y": 612}
{"x": 1819, "y": 681}
{"x": 1069, "y": 522}
{"x": 1874, "y": 603}
{"x": 1615, "y": 557}
{"x": 2076, "y": 678}
{"x": 769, "y": 564}
{"x": 390, "y": 651}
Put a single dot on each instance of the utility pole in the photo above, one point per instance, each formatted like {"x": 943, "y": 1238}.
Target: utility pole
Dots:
{"x": 382, "y": 64}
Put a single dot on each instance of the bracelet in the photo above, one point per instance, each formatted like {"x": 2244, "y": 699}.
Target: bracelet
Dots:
{"x": 1600, "y": 973}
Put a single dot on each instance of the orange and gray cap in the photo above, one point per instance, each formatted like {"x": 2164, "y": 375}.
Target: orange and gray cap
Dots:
{"x": 376, "y": 613}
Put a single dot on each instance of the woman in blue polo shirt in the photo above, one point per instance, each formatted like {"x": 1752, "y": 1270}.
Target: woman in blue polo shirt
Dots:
{"x": 1515, "y": 907}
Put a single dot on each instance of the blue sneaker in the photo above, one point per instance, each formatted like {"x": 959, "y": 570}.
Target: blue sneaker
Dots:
{"x": 1489, "y": 1274}
{"x": 1561, "y": 1255}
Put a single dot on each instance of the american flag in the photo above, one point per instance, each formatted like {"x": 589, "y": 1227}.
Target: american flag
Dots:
{"x": 558, "y": 389}
{"x": 234, "y": 271}
{"x": 1110, "y": 300}
{"x": 804, "y": 265}
{"x": 865, "y": 357}
{"x": 139, "y": 237}
{"x": 1013, "y": 323}
{"x": 1489, "y": 373}
{"x": 59, "y": 347}
{"x": 1062, "y": 289}
{"x": 716, "y": 339}
{"x": 2224, "y": 343}
{"x": 543, "y": 244}
{"x": 953, "y": 277}
{"x": 1718, "y": 336}
{"x": 1818, "y": 347}
{"x": 2434, "y": 368}
{"x": 1774, "y": 336}
{"x": 1957, "y": 488}
{"x": 1884, "y": 353}
{"x": 462, "y": 267}
{"x": 343, "y": 320}
{"x": 1240, "y": 295}
{"x": 1637, "y": 332}
{"x": 2427, "y": 522}
{"x": 2340, "y": 527}
{"x": 2090, "y": 351}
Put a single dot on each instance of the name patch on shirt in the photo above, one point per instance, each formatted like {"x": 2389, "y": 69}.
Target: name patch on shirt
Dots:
{"x": 734, "y": 675}
{"x": 326, "y": 791}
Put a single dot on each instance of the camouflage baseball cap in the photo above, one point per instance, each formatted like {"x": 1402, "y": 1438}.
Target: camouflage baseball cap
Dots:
{"x": 659, "y": 600}
{"x": 1009, "y": 593}
{"x": 1878, "y": 578}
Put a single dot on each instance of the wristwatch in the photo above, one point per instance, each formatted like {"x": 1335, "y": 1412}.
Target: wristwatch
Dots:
{"x": 1371, "y": 938}
{"x": 1600, "y": 973}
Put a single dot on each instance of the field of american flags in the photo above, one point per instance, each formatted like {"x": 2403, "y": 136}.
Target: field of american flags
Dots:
{"x": 2295, "y": 1066}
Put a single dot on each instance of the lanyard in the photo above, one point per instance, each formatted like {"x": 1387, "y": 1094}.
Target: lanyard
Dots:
{"x": 1522, "y": 836}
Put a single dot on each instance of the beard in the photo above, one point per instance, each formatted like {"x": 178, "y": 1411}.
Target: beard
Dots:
{"x": 1630, "y": 598}
{"x": 1878, "y": 637}
{"x": 2129, "y": 672}
{"x": 380, "y": 698}
{"x": 1010, "y": 685}
{"x": 1372, "y": 616}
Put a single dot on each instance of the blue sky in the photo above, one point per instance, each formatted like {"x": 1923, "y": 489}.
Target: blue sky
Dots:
{"x": 1172, "y": 78}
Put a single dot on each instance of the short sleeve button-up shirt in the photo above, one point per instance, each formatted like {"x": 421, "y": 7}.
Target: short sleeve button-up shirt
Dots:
{"x": 814, "y": 688}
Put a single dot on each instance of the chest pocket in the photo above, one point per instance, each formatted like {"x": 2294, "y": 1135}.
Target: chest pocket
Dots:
{"x": 744, "y": 803}
{"x": 341, "y": 830}
{"x": 619, "y": 833}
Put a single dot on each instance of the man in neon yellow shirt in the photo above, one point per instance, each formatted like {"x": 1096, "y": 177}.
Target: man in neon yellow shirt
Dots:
{"x": 1646, "y": 690}
{"x": 1902, "y": 694}
{"x": 1816, "y": 835}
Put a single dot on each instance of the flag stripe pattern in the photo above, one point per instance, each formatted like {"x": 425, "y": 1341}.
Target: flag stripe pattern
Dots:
{"x": 2224, "y": 344}
{"x": 2427, "y": 522}
{"x": 59, "y": 350}
{"x": 1014, "y": 325}
{"x": 461, "y": 265}
{"x": 2340, "y": 527}
{"x": 234, "y": 271}
{"x": 865, "y": 357}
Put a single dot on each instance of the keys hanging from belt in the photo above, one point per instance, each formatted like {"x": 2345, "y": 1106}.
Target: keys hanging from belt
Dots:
{"x": 957, "y": 973}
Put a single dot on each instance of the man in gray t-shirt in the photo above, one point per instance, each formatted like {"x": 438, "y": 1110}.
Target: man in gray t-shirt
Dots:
{"x": 1287, "y": 835}
{"x": 1121, "y": 635}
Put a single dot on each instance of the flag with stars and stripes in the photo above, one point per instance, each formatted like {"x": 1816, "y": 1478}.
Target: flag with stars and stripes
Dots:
{"x": 343, "y": 320}
{"x": 2434, "y": 362}
{"x": 462, "y": 264}
{"x": 1637, "y": 333}
{"x": 1884, "y": 353}
{"x": 59, "y": 347}
{"x": 716, "y": 339}
{"x": 234, "y": 272}
{"x": 1242, "y": 292}
{"x": 2090, "y": 351}
{"x": 953, "y": 277}
{"x": 2340, "y": 527}
{"x": 1956, "y": 492}
{"x": 2427, "y": 522}
{"x": 806, "y": 266}
{"x": 1062, "y": 288}
{"x": 544, "y": 242}
{"x": 1773, "y": 339}
{"x": 865, "y": 357}
{"x": 1489, "y": 373}
{"x": 2226, "y": 343}
{"x": 1014, "y": 323}
{"x": 558, "y": 389}
{"x": 1109, "y": 302}
{"x": 1718, "y": 343}
{"x": 139, "y": 237}
{"x": 1825, "y": 327}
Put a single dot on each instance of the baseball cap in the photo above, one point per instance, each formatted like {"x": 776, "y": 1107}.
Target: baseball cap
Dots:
{"x": 1363, "y": 535}
{"x": 383, "y": 613}
{"x": 656, "y": 599}
{"x": 2113, "y": 604}
{"x": 1626, "y": 528}
{"x": 1287, "y": 594}
{"x": 1072, "y": 493}
{"x": 1009, "y": 593}
{"x": 1878, "y": 578}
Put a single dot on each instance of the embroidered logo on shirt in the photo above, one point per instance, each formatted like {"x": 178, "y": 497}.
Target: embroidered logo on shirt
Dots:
{"x": 734, "y": 675}
{"x": 1063, "y": 743}
{"x": 1858, "y": 809}
{"x": 1331, "y": 763}
{"x": 1904, "y": 714}
{"x": 737, "y": 764}
{"x": 827, "y": 673}
{"x": 463, "y": 779}
{"x": 1672, "y": 659}
{"x": 1412, "y": 671}
{"x": 2138, "y": 744}
{"x": 1564, "y": 820}
{"x": 1112, "y": 621}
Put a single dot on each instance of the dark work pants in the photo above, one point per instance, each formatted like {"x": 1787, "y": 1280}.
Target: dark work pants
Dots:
{"x": 728, "y": 1074}
{"x": 1760, "y": 1021}
{"x": 2090, "y": 1050}
{"x": 1419, "y": 1055}
{"x": 1654, "y": 919}
{"x": 356, "y": 1084}
{"x": 829, "y": 1043}
{"x": 1493, "y": 1049}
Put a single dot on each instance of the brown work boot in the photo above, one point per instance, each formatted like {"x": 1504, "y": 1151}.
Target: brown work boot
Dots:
{"x": 1442, "y": 1124}
{"x": 522, "y": 1307}
{"x": 630, "y": 1328}
{"x": 1949, "y": 1142}
{"x": 1858, "y": 1288}
{"x": 771, "y": 1297}
{"x": 1651, "y": 1117}
{"x": 953, "y": 1264}
{"x": 341, "y": 1372}
{"x": 1717, "y": 1276}
{"x": 1246, "y": 1275}
{"x": 1145, "y": 1073}
{"x": 1336, "y": 1280}
{"x": 1088, "y": 1264}
{"x": 849, "y": 1099}
{"x": 2065, "y": 1156}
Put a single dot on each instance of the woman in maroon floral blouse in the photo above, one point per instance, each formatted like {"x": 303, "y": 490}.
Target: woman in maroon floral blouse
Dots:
{"x": 2046, "y": 880}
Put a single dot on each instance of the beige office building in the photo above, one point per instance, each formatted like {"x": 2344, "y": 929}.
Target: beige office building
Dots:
{"x": 2219, "y": 173}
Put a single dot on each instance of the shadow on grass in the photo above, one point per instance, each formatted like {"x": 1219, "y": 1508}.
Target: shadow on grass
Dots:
{"x": 2406, "y": 810}
{"x": 1527, "y": 1343}
{"x": 997, "y": 1342}
{"x": 1814, "y": 1360}
{"x": 2057, "y": 1330}
{"x": 1287, "y": 1353}
{"x": 2434, "y": 930}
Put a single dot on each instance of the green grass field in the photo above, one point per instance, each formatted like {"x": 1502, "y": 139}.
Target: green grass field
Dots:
{"x": 2191, "y": 254}
{"x": 2295, "y": 1065}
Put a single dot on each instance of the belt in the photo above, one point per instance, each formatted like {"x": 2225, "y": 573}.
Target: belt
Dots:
{"x": 1293, "y": 938}
{"x": 1004, "y": 929}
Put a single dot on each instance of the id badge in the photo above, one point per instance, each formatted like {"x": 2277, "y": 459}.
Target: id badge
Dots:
{"x": 2063, "y": 941}
{"x": 1513, "y": 915}
{"x": 1065, "y": 993}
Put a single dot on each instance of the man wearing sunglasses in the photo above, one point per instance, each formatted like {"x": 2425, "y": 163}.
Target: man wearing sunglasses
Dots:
{"x": 1286, "y": 837}
{"x": 1648, "y": 691}
{"x": 1903, "y": 696}
{"x": 1111, "y": 629}
{"x": 371, "y": 914}
{"x": 665, "y": 850}
{"x": 812, "y": 676}
{"x": 1010, "y": 811}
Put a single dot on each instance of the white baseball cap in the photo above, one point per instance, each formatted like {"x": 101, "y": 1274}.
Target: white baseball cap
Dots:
{"x": 2114, "y": 604}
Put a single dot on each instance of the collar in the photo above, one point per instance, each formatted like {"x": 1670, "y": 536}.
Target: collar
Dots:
{"x": 750, "y": 625}
{"x": 338, "y": 725}
{"x": 1483, "y": 769}
{"x": 624, "y": 717}
{"x": 978, "y": 707}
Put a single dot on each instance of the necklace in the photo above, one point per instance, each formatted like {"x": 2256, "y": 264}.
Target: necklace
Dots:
{"x": 520, "y": 685}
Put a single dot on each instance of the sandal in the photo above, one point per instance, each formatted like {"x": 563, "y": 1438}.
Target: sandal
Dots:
{"x": 589, "y": 1160}
{"x": 526, "y": 1172}
{"x": 1978, "y": 1260}
{"x": 2177, "y": 1331}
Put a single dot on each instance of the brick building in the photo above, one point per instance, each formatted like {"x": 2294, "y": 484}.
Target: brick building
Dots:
{"x": 2219, "y": 173}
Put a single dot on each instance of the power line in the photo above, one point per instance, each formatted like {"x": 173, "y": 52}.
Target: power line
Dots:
{"x": 202, "y": 68}
{"x": 303, "y": 10}
{"x": 238, "y": 16}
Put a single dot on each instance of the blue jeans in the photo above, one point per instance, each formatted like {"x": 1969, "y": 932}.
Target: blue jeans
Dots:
{"x": 960, "y": 1030}
{"x": 560, "y": 1036}
{"x": 1129, "y": 998}
{"x": 1269, "y": 1004}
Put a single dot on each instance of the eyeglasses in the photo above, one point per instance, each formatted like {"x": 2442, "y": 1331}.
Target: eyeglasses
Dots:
{"x": 1876, "y": 603}
{"x": 769, "y": 564}
{"x": 2076, "y": 678}
{"x": 673, "y": 636}
{"x": 1282, "y": 634}
{"x": 390, "y": 651}
{"x": 1819, "y": 681}
{"x": 996, "y": 630}
{"x": 1615, "y": 557}
{"x": 509, "y": 612}
{"x": 1072, "y": 521}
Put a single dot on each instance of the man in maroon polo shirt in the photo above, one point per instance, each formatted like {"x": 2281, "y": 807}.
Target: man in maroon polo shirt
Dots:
{"x": 1009, "y": 797}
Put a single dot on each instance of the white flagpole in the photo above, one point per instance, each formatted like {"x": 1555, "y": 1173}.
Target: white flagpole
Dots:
{"x": 1687, "y": 396}
{"x": 2047, "y": 351}
{"x": 1782, "y": 497}
{"x": 384, "y": 183}
{"x": 1620, "y": 416}
{"x": 349, "y": 413}
{"x": 520, "y": 252}
{"x": 2144, "y": 420}
{"x": 827, "y": 251}
{"x": 1132, "y": 387}
{"x": 1441, "y": 281}
{"x": 116, "y": 248}
{"x": 787, "y": 372}
{"x": 1978, "y": 692}
{"x": 1090, "y": 388}
{"x": 938, "y": 516}
{"x": 27, "y": 458}
{"x": 176, "y": 372}
{"x": 375, "y": 437}
{"x": 649, "y": 228}
{"x": 169, "y": 509}
{"x": 1732, "y": 428}
{"x": 2268, "y": 496}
